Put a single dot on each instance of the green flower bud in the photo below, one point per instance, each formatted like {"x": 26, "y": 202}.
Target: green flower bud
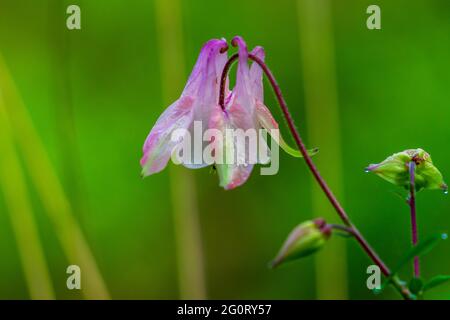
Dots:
{"x": 395, "y": 169}
{"x": 305, "y": 239}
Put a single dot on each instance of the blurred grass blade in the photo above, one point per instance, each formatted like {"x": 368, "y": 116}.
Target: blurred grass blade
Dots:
{"x": 62, "y": 100}
{"x": 184, "y": 199}
{"x": 13, "y": 184}
{"x": 323, "y": 124}
{"x": 50, "y": 190}
{"x": 435, "y": 281}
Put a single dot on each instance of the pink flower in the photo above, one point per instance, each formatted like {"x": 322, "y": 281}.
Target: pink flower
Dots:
{"x": 243, "y": 109}
{"x": 197, "y": 100}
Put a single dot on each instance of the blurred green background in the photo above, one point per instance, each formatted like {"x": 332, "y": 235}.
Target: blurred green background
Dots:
{"x": 93, "y": 95}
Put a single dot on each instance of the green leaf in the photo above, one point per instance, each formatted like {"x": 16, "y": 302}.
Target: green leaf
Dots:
{"x": 291, "y": 151}
{"x": 419, "y": 250}
{"x": 422, "y": 248}
{"x": 267, "y": 121}
{"x": 294, "y": 152}
{"x": 435, "y": 281}
{"x": 415, "y": 285}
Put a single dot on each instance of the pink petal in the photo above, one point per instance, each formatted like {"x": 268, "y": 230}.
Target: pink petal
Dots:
{"x": 204, "y": 81}
{"x": 231, "y": 175}
{"x": 197, "y": 100}
{"x": 265, "y": 118}
{"x": 243, "y": 90}
{"x": 158, "y": 146}
{"x": 239, "y": 175}
{"x": 256, "y": 75}
{"x": 267, "y": 121}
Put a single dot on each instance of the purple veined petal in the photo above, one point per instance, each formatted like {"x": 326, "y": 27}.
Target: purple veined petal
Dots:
{"x": 243, "y": 91}
{"x": 240, "y": 116}
{"x": 232, "y": 175}
{"x": 265, "y": 118}
{"x": 256, "y": 75}
{"x": 158, "y": 146}
{"x": 197, "y": 100}
{"x": 205, "y": 61}
{"x": 204, "y": 82}
{"x": 238, "y": 113}
{"x": 236, "y": 176}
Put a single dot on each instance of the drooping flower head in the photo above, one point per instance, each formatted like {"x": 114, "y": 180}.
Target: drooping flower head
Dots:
{"x": 243, "y": 111}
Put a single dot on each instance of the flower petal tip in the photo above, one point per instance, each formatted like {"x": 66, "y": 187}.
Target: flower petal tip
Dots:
{"x": 232, "y": 185}
{"x": 235, "y": 41}
{"x": 239, "y": 42}
{"x": 258, "y": 51}
{"x": 371, "y": 167}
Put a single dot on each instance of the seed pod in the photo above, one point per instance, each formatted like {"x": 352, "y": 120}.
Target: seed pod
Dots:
{"x": 395, "y": 169}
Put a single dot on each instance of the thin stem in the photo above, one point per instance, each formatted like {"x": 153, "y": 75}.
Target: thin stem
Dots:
{"x": 412, "y": 206}
{"x": 334, "y": 202}
{"x": 339, "y": 227}
{"x": 223, "y": 79}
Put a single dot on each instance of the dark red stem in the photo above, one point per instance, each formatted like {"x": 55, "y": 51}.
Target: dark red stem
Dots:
{"x": 339, "y": 227}
{"x": 412, "y": 206}
{"x": 223, "y": 79}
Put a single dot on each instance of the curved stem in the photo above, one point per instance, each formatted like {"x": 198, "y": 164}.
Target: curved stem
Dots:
{"x": 223, "y": 79}
{"x": 331, "y": 197}
{"x": 340, "y": 227}
{"x": 412, "y": 206}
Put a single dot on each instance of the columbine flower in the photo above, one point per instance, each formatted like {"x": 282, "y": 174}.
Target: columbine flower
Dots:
{"x": 243, "y": 109}
{"x": 395, "y": 170}
{"x": 195, "y": 104}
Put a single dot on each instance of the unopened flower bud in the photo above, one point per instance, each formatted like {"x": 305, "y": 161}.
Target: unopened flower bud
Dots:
{"x": 305, "y": 239}
{"x": 395, "y": 169}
